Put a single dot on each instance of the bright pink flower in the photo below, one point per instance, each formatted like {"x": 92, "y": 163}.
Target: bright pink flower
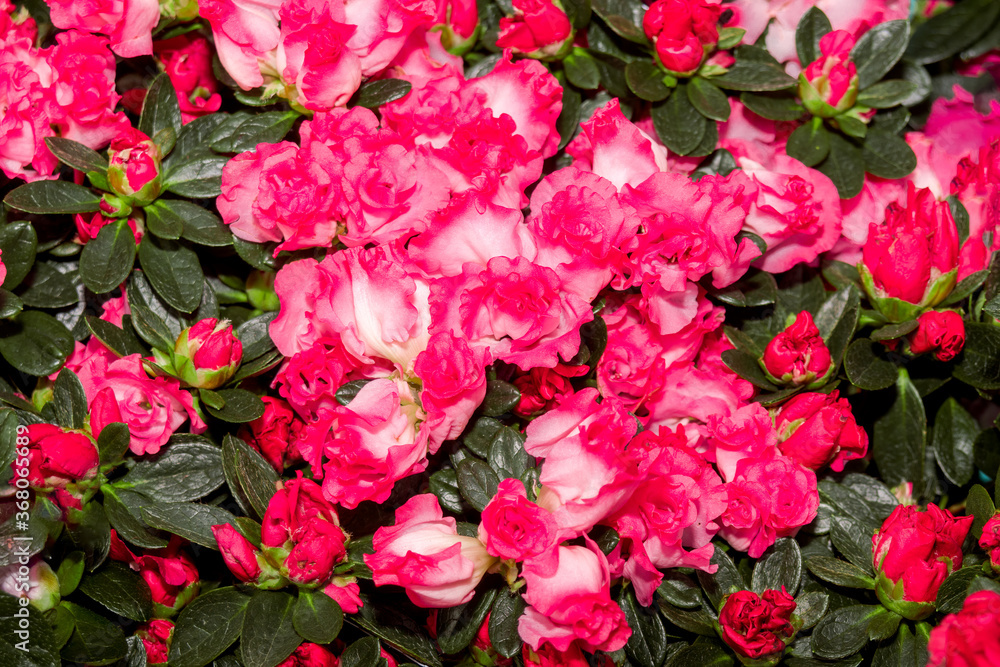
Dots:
{"x": 745, "y": 433}
{"x": 129, "y": 23}
{"x": 538, "y": 27}
{"x": 188, "y": 62}
{"x": 572, "y": 603}
{"x": 89, "y": 226}
{"x": 170, "y": 573}
{"x": 913, "y": 553}
{"x": 977, "y": 186}
{"x": 798, "y": 356}
{"x": 57, "y": 458}
{"x": 156, "y": 636}
{"x": 545, "y": 388}
{"x": 275, "y": 433}
{"x": 941, "y": 332}
{"x": 424, "y": 554}
{"x": 682, "y": 31}
{"x": 758, "y": 626}
{"x": 989, "y": 541}
{"x": 967, "y": 638}
{"x": 243, "y": 31}
{"x": 134, "y": 167}
{"x": 310, "y": 655}
{"x": 829, "y": 85}
{"x": 614, "y": 148}
{"x": 515, "y": 528}
{"x": 207, "y": 354}
{"x": 818, "y": 430}
{"x": 238, "y": 552}
{"x": 454, "y": 384}
{"x": 153, "y": 408}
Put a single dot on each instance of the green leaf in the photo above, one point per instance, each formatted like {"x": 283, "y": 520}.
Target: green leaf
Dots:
{"x": 120, "y": 341}
{"x": 91, "y": 534}
{"x": 648, "y": 644}
{"x": 149, "y": 317}
{"x": 954, "y": 436}
{"x": 160, "y": 109}
{"x": 980, "y": 505}
{"x": 866, "y": 369}
{"x": 838, "y": 572}
{"x": 362, "y": 653}
{"x": 747, "y": 368}
{"x": 244, "y": 131}
{"x": 837, "y": 319}
{"x": 184, "y": 470}
{"x": 908, "y": 649}
{"x": 124, "y": 520}
{"x": 162, "y": 223}
{"x": 679, "y": 590}
{"x": 953, "y": 591}
{"x": 477, "y": 482}
{"x": 34, "y": 342}
{"x": 703, "y": 655}
{"x": 95, "y": 640}
{"x": 844, "y": 631}
{"x": 241, "y": 406}
{"x": 754, "y": 71}
{"x": 878, "y": 50}
{"x": 501, "y": 397}
{"x": 893, "y": 331}
{"x": 121, "y": 590}
{"x": 886, "y": 94}
{"x": 76, "y": 155}
{"x": 811, "y": 607}
{"x": 887, "y": 156}
{"x": 197, "y": 224}
{"x": 678, "y": 123}
{"x": 201, "y": 178}
{"x": 780, "y": 565}
{"x": 812, "y": 27}
{"x": 10, "y": 305}
{"x": 850, "y": 503}
{"x": 568, "y": 123}
{"x": 853, "y": 539}
{"x": 19, "y": 243}
{"x": 774, "y": 106}
{"x": 851, "y": 126}
{"x": 192, "y": 521}
{"x": 645, "y": 79}
{"x": 254, "y": 334}
{"x": 70, "y": 572}
{"x": 398, "y": 631}
{"x": 951, "y": 31}
{"x": 706, "y": 97}
{"x": 900, "y": 436}
{"x": 457, "y": 626}
{"x": 507, "y": 609}
{"x": 46, "y": 197}
{"x": 69, "y": 400}
{"x": 374, "y": 94}
{"x": 725, "y": 581}
{"x": 695, "y": 620}
{"x": 978, "y": 364}
{"x": 194, "y": 138}
{"x": 107, "y": 260}
{"x": 207, "y": 627}
{"x": 251, "y": 479}
{"x": 615, "y": 16}
{"x": 481, "y": 435}
{"x": 581, "y": 70}
{"x": 317, "y": 617}
{"x": 507, "y": 455}
{"x": 47, "y": 287}
{"x": 174, "y": 272}
{"x": 269, "y": 634}
{"x": 844, "y": 166}
{"x": 730, "y": 37}
{"x": 756, "y": 288}
{"x": 444, "y": 485}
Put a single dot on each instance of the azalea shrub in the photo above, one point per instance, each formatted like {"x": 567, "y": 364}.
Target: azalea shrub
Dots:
{"x": 525, "y": 333}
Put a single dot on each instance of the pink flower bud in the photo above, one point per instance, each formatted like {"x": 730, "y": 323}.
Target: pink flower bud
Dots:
{"x": 207, "y": 354}
{"x": 758, "y": 627}
{"x": 57, "y": 458}
{"x": 240, "y": 555}
{"x": 538, "y": 28}
{"x": 683, "y": 31}
{"x": 989, "y": 541}
{"x": 829, "y": 85}
{"x": 819, "y": 429}
{"x": 913, "y": 553}
{"x": 940, "y": 332}
{"x": 134, "y": 171}
{"x": 798, "y": 356}
{"x": 156, "y": 636}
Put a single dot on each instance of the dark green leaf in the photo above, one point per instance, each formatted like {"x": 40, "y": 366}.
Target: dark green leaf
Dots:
{"x": 954, "y": 435}
{"x": 95, "y": 639}
{"x": 679, "y": 590}
{"x": 837, "y": 319}
{"x": 481, "y": 435}
{"x": 507, "y": 455}
{"x": 182, "y": 471}
{"x": 703, "y": 655}
{"x": 900, "y": 436}
{"x": 35, "y": 343}
{"x": 19, "y": 243}
{"x": 581, "y": 70}
{"x": 648, "y": 643}
{"x": 838, "y": 572}
{"x": 69, "y": 400}
{"x": 980, "y": 505}
{"x": 844, "y": 166}
{"x": 893, "y": 331}
{"x": 708, "y": 99}
{"x": 507, "y": 609}
{"x": 374, "y": 94}
{"x": 725, "y": 581}
{"x": 251, "y": 478}
{"x": 616, "y": 16}
{"x": 891, "y": 121}
{"x": 165, "y": 140}
{"x": 885, "y": 94}
{"x": 878, "y": 50}
{"x": 200, "y": 178}
{"x": 268, "y": 635}
{"x": 192, "y": 521}
{"x": 844, "y": 631}
{"x": 477, "y": 482}
{"x": 317, "y": 617}
{"x": 849, "y": 503}
{"x": 774, "y": 106}
{"x": 854, "y": 540}
{"x": 851, "y": 126}
{"x": 198, "y": 225}
{"x": 887, "y": 156}
{"x": 362, "y": 653}
{"x": 120, "y": 341}
{"x": 645, "y": 79}
{"x": 812, "y": 27}
{"x": 241, "y": 406}
{"x": 866, "y": 369}
{"x": 160, "y": 109}
{"x": 154, "y": 323}
{"x": 568, "y": 122}
{"x": 811, "y": 607}
{"x": 457, "y": 626}
{"x": 951, "y": 31}
{"x": 678, "y": 123}
{"x": 243, "y": 132}
{"x": 76, "y": 155}
{"x": 107, "y": 260}
{"x": 53, "y": 197}
{"x": 398, "y": 631}
{"x": 444, "y": 485}
{"x": 255, "y": 336}
{"x": 755, "y": 72}
{"x": 967, "y": 286}
{"x": 194, "y": 138}
{"x": 47, "y": 287}
{"x": 173, "y": 271}
{"x": 500, "y": 397}
{"x": 695, "y": 620}
{"x": 780, "y": 565}
{"x": 961, "y": 216}
{"x": 70, "y": 572}
{"x": 951, "y": 595}
{"x": 121, "y": 590}
{"x": 979, "y": 362}
{"x": 747, "y": 367}
{"x": 756, "y": 288}
{"x": 207, "y": 627}
{"x": 129, "y": 526}
{"x": 162, "y": 223}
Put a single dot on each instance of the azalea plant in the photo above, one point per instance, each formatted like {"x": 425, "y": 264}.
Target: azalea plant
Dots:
{"x": 502, "y": 333}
